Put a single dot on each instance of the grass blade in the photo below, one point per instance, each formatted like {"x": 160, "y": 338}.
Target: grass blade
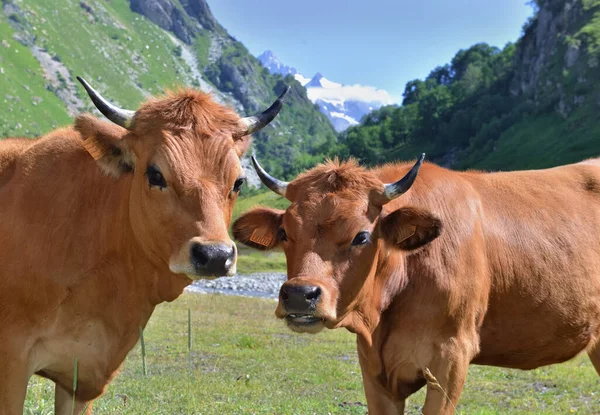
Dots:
{"x": 143, "y": 350}
{"x": 189, "y": 330}
{"x": 86, "y": 408}
{"x": 190, "y": 338}
{"x": 75, "y": 369}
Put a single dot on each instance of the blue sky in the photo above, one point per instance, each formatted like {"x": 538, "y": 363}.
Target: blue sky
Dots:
{"x": 383, "y": 43}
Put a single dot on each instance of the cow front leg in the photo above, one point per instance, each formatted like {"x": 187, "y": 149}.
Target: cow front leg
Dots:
{"x": 594, "y": 355}
{"x": 445, "y": 375}
{"x": 379, "y": 402}
{"x": 63, "y": 403}
{"x": 13, "y": 389}
{"x": 14, "y": 377}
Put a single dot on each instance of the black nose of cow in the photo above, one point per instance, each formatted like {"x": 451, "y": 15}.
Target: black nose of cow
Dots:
{"x": 212, "y": 260}
{"x": 300, "y": 298}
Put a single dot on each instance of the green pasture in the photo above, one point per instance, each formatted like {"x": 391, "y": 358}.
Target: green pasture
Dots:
{"x": 244, "y": 361}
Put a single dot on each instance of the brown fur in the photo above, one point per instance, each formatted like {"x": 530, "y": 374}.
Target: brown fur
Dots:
{"x": 88, "y": 246}
{"x": 498, "y": 269}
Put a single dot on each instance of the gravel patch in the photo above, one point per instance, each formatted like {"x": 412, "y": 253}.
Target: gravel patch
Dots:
{"x": 262, "y": 285}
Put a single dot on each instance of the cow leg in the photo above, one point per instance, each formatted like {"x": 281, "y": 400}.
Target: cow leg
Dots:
{"x": 449, "y": 372}
{"x": 13, "y": 389}
{"x": 594, "y": 355}
{"x": 14, "y": 377}
{"x": 63, "y": 403}
{"x": 378, "y": 401}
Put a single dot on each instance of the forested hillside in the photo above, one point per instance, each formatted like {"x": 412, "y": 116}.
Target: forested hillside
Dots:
{"x": 532, "y": 104}
{"x": 133, "y": 49}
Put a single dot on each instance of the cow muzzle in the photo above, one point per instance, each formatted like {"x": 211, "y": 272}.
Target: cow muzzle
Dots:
{"x": 212, "y": 259}
{"x": 204, "y": 259}
{"x": 299, "y": 305}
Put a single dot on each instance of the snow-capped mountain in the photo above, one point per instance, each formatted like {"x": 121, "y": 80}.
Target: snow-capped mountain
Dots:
{"x": 344, "y": 105}
{"x": 270, "y": 61}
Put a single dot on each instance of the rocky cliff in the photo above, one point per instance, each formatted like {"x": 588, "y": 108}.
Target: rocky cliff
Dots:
{"x": 556, "y": 62}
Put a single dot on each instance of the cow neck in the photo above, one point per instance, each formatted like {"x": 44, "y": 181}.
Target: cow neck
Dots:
{"x": 362, "y": 315}
{"x": 383, "y": 283}
{"x": 376, "y": 318}
{"x": 370, "y": 351}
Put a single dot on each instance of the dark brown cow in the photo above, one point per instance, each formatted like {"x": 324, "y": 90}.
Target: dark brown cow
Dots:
{"x": 99, "y": 223}
{"x": 497, "y": 269}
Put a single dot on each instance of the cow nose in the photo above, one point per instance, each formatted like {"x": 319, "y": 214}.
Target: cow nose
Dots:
{"x": 300, "y": 298}
{"x": 212, "y": 259}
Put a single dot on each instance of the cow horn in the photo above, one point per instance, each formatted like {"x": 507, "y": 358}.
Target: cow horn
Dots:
{"x": 271, "y": 182}
{"x": 254, "y": 123}
{"x": 119, "y": 116}
{"x": 393, "y": 190}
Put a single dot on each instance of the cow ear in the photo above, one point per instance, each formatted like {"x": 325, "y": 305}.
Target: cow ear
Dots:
{"x": 259, "y": 228}
{"x": 410, "y": 228}
{"x": 104, "y": 142}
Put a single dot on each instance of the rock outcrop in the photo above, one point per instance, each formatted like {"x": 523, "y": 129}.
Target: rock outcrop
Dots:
{"x": 554, "y": 57}
{"x": 168, "y": 16}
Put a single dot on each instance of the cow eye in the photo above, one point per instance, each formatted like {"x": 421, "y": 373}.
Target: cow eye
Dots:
{"x": 237, "y": 186}
{"x": 155, "y": 177}
{"x": 361, "y": 238}
{"x": 282, "y": 235}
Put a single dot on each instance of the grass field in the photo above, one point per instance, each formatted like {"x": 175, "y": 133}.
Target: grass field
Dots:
{"x": 244, "y": 361}
{"x": 252, "y": 260}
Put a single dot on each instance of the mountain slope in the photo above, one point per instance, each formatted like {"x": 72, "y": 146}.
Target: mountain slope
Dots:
{"x": 532, "y": 104}
{"x": 128, "y": 56}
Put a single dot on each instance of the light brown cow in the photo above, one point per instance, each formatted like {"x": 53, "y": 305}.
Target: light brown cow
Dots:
{"x": 497, "y": 269}
{"x": 99, "y": 223}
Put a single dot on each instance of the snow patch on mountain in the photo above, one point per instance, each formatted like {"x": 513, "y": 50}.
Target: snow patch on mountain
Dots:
{"x": 303, "y": 81}
{"x": 344, "y": 105}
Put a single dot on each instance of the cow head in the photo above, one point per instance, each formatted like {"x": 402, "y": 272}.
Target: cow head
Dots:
{"x": 341, "y": 244}
{"x": 181, "y": 155}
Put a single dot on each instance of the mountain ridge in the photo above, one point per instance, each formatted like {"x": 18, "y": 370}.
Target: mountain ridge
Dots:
{"x": 270, "y": 61}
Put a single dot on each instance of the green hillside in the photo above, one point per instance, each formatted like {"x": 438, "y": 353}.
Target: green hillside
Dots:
{"x": 28, "y": 107}
{"x": 123, "y": 54}
{"x": 127, "y": 57}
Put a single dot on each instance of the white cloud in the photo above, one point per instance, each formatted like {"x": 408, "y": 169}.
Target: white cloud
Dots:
{"x": 355, "y": 92}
